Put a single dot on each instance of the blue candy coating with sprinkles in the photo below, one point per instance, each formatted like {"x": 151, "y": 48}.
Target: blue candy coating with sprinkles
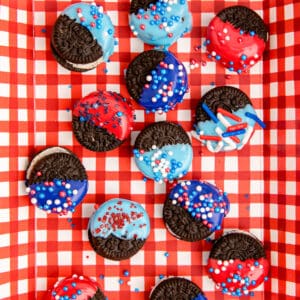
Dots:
{"x": 202, "y": 200}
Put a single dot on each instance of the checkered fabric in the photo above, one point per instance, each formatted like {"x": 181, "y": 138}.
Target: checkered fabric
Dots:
{"x": 36, "y": 96}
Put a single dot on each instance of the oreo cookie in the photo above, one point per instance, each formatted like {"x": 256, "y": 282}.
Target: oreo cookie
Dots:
{"x": 177, "y": 288}
{"x": 194, "y": 210}
{"x": 118, "y": 229}
{"x": 225, "y": 119}
{"x": 237, "y": 263}
{"x": 236, "y": 37}
{"x": 56, "y": 180}
{"x": 163, "y": 151}
{"x": 76, "y": 287}
{"x": 158, "y": 22}
{"x": 82, "y": 37}
{"x": 156, "y": 80}
{"x": 102, "y": 120}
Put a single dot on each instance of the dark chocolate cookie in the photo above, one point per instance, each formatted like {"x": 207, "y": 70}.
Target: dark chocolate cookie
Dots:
{"x": 102, "y": 121}
{"x": 82, "y": 37}
{"x": 225, "y": 119}
{"x": 237, "y": 263}
{"x": 194, "y": 210}
{"x": 156, "y": 80}
{"x": 177, "y": 288}
{"x": 236, "y": 38}
{"x": 76, "y": 287}
{"x": 118, "y": 229}
{"x": 56, "y": 180}
{"x": 163, "y": 151}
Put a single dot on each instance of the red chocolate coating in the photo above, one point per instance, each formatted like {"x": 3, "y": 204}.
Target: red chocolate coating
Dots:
{"x": 107, "y": 110}
{"x": 227, "y": 42}
{"x": 255, "y": 269}
{"x": 83, "y": 287}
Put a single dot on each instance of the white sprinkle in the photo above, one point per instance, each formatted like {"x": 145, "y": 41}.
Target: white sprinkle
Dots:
{"x": 209, "y": 215}
{"x": 217, "y": 271}
{"x": 165, "y": 99}
{"x": 174, "y": 202}
{"x": 223, "y": 269}
{"x": 192, "y": 67}
{"x": 213, "y": 53}
{"x": 199, "y": 188}
{"x": 169, "y": 8}
{"x": 227, "y": 38}
{"x": 207, "y": 209}
{"x": 180, "y": 67}
{"x": 170, "y": 153}
{"x": 219, "y": 262}
{"x": 33, "y": 200}
{"x": 59, "y": 209}
{"x": 196, "y": 65}
{"x": 252, "y": 62}
{"x": 49, "y": 202}
{"x": 188, "y": 183}
{"x": 131, "y": 27}
{"x": 182, "y": 183}
{"x": 234, "y": 280}
{"x": 153, "y": 147}
{"x": 256, "y": 56}
{"x": 141, "y": 158}
{"x": 165, "y": 86}
{"x": 159, "y": 152}
{"x": 160, "y": 91}
{"x": 180, "y": 93}
{"x": 201, "y": 197}
{"x": 225, "y": 263}
{"x": 153, "y": 164}
{"x": 187, "y": 203}
{"x": 65, "y": 205}
{"x": 148, "y": 77}
{"x": 165, "y": 24}
{"x": 252, "y": 268}
{"x": 28, "y": 190}
{"x": 80, "y": 15}
{"x": 222, "y": 210}
{"x": 57, "y": 297}
{"x": 180, "y": 74}
{"x": 135, "y": 33}
{"x": 81, "y": 277}
{"x": 74, "y": 275}
{"x": 167, "y": 29}
{"x": 48, "y": 211}
{"x": 56, "y": 201}
{"x": 231, "y": 261}
{"x": 75, "y": 192}
{"x": 176, "y": 195}
{"x": 171, "y": 66}
{"x": 225, "y": 30}
{"x": 100, "y": 9}
{"x": 155, "y": 169}
{"x": 153, "y": 99}
{"x": 203, "y": 216}
{"x": 67, "y": 186}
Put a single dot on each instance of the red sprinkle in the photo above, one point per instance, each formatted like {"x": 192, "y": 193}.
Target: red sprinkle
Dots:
{"x": 82, "y": 19}
{"x": 237, "y": 127}
{"x": 62, "y": 194}
{"x": 156, "y": 17}
{"x": 142, "y": 26}
{"x": 235, "y": 139}
{"x": 92, "y": 24}
{"x": 146, "y": 17}
{"x": 170, "y": 34}
{"x": 161, "y": 26}
{"x": 240, "y": 40}
{"x": 139, "y": 17}
{"x": 229, "y": 114}
{"x": 39, "y": 173}
{"x": 79, "y": 10}
{"x": 95, "y": 17}
{"x": 153, "y": 7}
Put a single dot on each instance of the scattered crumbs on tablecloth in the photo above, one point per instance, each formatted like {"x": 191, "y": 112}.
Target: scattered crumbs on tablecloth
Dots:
{"x": 105, "y": 70}
{"x": 166, "y": 254}
{"x": 227, "y": 76}
{"x": 126, "y": 273}
{"x": 246, "y": 196}
{"x": 101, "y": 276}
{"x": 70, "y": 86}
{"x": 121, "y": 281}
{"x": 145, "y": 179}
{"x": 136, "y": 290}
{"x": 212, "y": 83}
{"x": 161, "y": 276}
{"x": 43, "y": 30}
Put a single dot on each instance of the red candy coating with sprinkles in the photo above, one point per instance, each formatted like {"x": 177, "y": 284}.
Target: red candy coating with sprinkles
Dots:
{"x": 74, "y": 287}
{"x": 236, "y": 50}
{"x": 237, "y": 274}
{"x": 106, "y": 110}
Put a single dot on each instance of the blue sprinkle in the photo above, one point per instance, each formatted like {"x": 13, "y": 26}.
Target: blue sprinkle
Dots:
{"x": 243, "y": 57}
{"x": 110, "y": 31}
{"x": 126, "y": 273}
{"x": 43, "y": 30}
{"x": 65, "y": 288}
{"x": 74, "y": 296}
{"x": 252, "y": 33}
{"x": 239, "y": 71}
{"x": 251, "y": 294}
{"x": 136, "y": 290}
{"x": 79, "y": 292}
{"x": 210, "y": 270}
{"x": 266, "y": 278}
{"x": 256, "y": 263}
{"x": 218, "y": 57}
{"x": 160, "y": 276}
{"x": 241, "y": 31}
{"x": 256, "y": 119}
{"x": 141, "y": 11}
{"x": 166, "y": 254}
{"x": 121, "y": 281}
{"x": 119, "y": 114}
{"x": 209, "y": 112}
{"x": 240, "y": 266}
{"x": 145, "y": 179}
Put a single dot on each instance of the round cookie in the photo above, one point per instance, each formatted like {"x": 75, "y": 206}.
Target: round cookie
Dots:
{"x": 76, "y": 287}
{"x": 225, "y": 119}
{"x": 177, "y": 288}
{"x": 163, "y": 151}
{"x": 237, "y": 263}
{"x": 118, "y": 229}
{"x": 236, "y": 37}
{"x": 160, "y": 22}
{"x": 194, "y": 210}
{"x": 82, "y": 37}
{"x": 56, "y": 180}
{"x": 102, "y": 120}
{"x": 156, "y": 80}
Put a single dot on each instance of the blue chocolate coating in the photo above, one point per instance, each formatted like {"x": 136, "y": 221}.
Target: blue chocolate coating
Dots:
{"x": 97, "y": 22}
{"x": 166, "y": 86}
{"x": 166, "y": 163}
{"x": 58, "y": 196}
{"x": 202, "y": 200}
{"x": 162, "y": 23}
{"x": 123, "y": 218}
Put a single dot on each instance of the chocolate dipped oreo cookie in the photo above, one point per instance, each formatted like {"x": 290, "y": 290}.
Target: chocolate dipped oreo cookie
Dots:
{"x": 237, "y": 263}
{"x": 225, "y": 119}
{"x": 236, "y": 37}
{"x": 76, "y": 287}
{"x": 194, "y": 210}
{"x": 156, "y": 80}
{"x": 176, "y": 288}
{"x": 163, "y": 151}
{"x": 102, "y": 120}
{"x": 118, "y": 229}
{"x": 56, "y": 180}
{"x": 82, "y": 37}
{"x": 158, "y": 22}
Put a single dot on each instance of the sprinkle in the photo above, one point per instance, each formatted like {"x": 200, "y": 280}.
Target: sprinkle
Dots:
{"x": 256, "y": 119}
{"x": 126, "y": 273}
{"x": 209, "y": 112}
{"x": 237, "y": 127}
{"x": 233, "y": 133}
{"x": 121, "y": 281}
{"x": 229, "y": 114}
{"x": 210, "y": 137}
{"x": 166, "y": 254}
